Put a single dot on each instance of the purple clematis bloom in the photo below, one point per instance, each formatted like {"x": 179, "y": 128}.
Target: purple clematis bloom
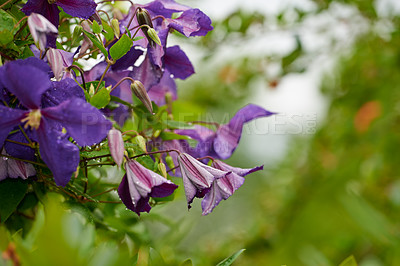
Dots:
{"x": 49, "y": 8}
{"x": 28, "y": 80}
{"x": 222, "y": 188}
{"x": 222, "y": 143}
{"x": 139, "y": 184}
{"x": 197, "y": 177}
{"x": 43, "y": 31}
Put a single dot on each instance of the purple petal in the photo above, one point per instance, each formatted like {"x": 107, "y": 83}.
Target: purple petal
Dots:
{"x": 139, "y": 184}
{"x": 17, "y": 150}
{"x": 59, "y": 60}
{"x": 116, "y": 145}
{"x": 20, "y": 169}
{"x": 96, "y": 72}
{"x": 178, "y": 63}
{"x": 166, "y": 85}
{"x": 165, "y": 8}
{"x": 78, "y": 8}
{"x": 146, "y": 73}
{"x": 192, "y": 22}
{"x": 60, "y": 155}
{"x": 84, "y": 123}
{"x": 124, "y": 195}
{"x": 197, "y": 177}
{"x": 26, "y": 80}
{"x": 49, "y": 11}
{"x": 61, "y": 91}
{"x": 127, "y": 60}
{"x": 211, "y": 200}
{"x": 228, "y": 136}
{"x": 9, "y": 118}
{"x": 239, "y": 171}
{"x": 119, "y": 114}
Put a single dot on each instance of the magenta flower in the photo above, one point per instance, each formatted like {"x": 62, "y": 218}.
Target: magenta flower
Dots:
{"x": 28, "y": 80}
{"x": 139, "y": 184}
{"x": 49, "y": 8}
{"x": 197, "y": 177}
{"x": 222, "y": 188}
{"x": 223, "y": 142}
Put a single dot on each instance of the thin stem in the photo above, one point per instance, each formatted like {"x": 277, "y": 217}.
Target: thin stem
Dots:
{"x": 20, "y": 143}
{"x": 100, "y": 164}
{"x": 25, "y": 135}
{"x": 104, "y": 192}
{"x": 19, "y": 21}
{"x": 104, "y": 13}
{"x": 155, "y": 152}
{"x": 129, "y": 131}
{"x": 4, "y": 4}
{"x": 86, "y": 177}
{"x": 22, "y": 160}
{"x": 172, "y": 169}
{"x": 80, "y": 71}
{"x": 97, "y": 157}
{"x": 130, "y": 21}
{"x": 104, "y": 73}
{"x": 205, "y": 157}
{"x": 119, "y": 82}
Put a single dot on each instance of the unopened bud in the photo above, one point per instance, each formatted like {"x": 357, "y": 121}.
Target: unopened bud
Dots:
{"x": 115, "y": 27}
{"x": 77, "y": 33}
{"x": 162, "y": 169}
{"x": 170, "y": 162}
{"x": 156, "y": 133}
{"x": 144, "y": 18}
{"x": 139, "y": 90}
{"x": 141, "y": 142}
{"x": 96, "y": 17}
{"x": 116, "y": 145}
{"x": 91, "y": 90}
{"x": 153, "y": 35}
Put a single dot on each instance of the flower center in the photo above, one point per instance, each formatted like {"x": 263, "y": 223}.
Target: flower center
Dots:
{"x": 32, "y": 119}
{"x": 51, "y": 1}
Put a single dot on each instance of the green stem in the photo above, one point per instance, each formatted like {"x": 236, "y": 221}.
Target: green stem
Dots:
{"x": 22, "y": 160}
{"x": 102, "y": 76}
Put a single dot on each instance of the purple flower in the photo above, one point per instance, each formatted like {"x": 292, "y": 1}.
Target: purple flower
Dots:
{"x": 28, "y": 80}
{"x": 197, "y": 177}
{"x": 222, "y": 143}
{"x": 42, "y": 31}
{"x": 139, "y": 184}
{"x": 49, "y": 8}
{"x": 224, "y": 187}
{"x": 59, "y": 60}
{"x": 10, "y": 168}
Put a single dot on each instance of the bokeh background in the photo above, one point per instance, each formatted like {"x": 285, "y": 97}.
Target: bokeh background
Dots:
{"x": 331, "y": 184}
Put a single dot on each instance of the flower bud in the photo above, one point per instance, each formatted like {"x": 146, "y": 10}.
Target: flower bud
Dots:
{"x": 116, "y": 145}
{"x": 115, "y": 27}
{"x": 162, "y": 169}
{"x": 141, "y": 142}
{"x": 76, "y": 33}
{"x": 140, "y": 92}
{"x": 153, "y": 35}
{"x": 170, "y": 162}
{"x": 55, "y": 60}
{"x": 144, "y": 18}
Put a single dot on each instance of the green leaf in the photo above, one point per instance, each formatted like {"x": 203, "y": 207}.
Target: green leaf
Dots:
{"x": 96, "y": 42}
{"x": 349, "y": 261}
{"x": 137, "y": 38}
{"x": 7, "y": 22}
{"x": 96, "y": 27}
{"x": 6, "y": 37}
{"x": 121, "y": 47}
{"x": 108, "y": 31}
{"x": 12, "y": 191}
{"x": 101, "y": 98}
{"x": 228, "y": 261}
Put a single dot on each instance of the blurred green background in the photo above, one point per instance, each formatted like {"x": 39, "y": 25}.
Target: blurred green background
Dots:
{"x": 331, "y": 186}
